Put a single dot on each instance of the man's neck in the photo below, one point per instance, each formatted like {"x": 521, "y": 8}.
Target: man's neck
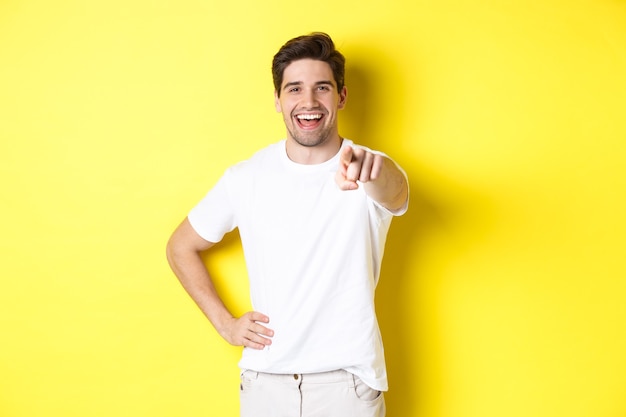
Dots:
{"x": 312, "y": 155}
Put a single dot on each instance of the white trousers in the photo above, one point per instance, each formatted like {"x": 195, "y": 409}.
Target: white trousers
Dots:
{"x": 327, "y": 394}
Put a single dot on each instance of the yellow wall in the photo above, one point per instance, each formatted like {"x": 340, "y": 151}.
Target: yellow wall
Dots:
{"x": 503, "y": 288}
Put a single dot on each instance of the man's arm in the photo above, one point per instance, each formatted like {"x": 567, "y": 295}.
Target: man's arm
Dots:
{"x": 382, "y": 179}
{"x": 183, "y": 254}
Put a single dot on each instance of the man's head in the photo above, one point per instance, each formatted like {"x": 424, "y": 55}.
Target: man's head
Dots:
{"x": 318, "y": 46}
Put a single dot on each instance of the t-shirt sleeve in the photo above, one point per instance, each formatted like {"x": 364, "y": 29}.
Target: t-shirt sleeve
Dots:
{"x": 214, "y": 215}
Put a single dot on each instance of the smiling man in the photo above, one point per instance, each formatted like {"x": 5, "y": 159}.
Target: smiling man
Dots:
{"x": 313, "y": 211}
{"x": 310, "y": 100}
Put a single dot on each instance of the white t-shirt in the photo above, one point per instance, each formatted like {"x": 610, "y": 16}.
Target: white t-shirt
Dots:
{"x": 313, "y": 254}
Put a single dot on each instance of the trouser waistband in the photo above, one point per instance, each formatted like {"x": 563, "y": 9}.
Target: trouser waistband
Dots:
{"x": 309, "y": 378}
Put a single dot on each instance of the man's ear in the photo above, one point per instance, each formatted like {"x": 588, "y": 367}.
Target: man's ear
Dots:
{"x": 279, "y": 108}
{"x": 343, "y": 97}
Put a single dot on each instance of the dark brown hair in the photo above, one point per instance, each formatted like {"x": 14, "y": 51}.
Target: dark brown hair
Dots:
{"x": 318, "y": 46}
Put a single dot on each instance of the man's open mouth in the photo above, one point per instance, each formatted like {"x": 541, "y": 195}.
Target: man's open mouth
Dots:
{"x": 309, "y": 121}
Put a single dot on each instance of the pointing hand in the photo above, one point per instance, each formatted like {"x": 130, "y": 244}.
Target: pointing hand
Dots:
{"x": 357, "y": 164}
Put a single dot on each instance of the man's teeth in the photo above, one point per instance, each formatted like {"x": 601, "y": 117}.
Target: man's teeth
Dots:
{"x": 309, "y": 116}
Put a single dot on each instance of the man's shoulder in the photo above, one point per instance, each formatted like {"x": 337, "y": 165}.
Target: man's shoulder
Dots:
{"x": 260, "y": 160}
{"x": 272, "y": 150}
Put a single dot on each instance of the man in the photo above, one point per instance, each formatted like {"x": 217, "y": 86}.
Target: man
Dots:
{"x": 313, "y": 212}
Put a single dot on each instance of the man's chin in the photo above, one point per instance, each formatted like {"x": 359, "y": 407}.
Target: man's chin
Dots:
{"x": 311, "y": 143}
{"x": 309, "y": 140}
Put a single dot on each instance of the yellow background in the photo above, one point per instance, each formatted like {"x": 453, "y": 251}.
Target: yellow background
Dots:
{"x": 503, "y": 289}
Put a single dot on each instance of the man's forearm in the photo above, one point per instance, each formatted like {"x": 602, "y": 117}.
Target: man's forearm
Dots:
{"x": 196, "y": 280}
{"x": 390, "y": 189}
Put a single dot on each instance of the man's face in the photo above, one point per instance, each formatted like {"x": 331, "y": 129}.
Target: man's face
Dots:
{"x": 309, "y": 102}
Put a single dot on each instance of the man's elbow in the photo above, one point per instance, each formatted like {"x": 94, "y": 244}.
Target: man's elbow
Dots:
{"x": 172, "y": 250}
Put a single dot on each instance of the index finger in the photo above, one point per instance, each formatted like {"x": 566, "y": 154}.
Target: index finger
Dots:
{"x": 346, "y": 155}
{"x": 256, "y": 316}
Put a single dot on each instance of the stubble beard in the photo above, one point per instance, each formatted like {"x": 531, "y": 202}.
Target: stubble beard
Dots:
{"x": 309, "y": 139}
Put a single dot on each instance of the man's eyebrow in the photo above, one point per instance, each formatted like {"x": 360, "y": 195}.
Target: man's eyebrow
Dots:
{"x": 325, "y": 82}
{"x": 292, "y": 84}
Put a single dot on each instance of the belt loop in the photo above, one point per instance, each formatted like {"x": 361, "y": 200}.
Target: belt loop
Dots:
{"x": 351, "y": 380}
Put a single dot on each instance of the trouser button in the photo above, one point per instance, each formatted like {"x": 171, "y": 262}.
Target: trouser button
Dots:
{"x": 295, "y": 376}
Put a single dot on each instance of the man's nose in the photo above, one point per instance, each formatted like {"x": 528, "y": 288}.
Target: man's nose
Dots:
{"x": 309, "y": 99}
